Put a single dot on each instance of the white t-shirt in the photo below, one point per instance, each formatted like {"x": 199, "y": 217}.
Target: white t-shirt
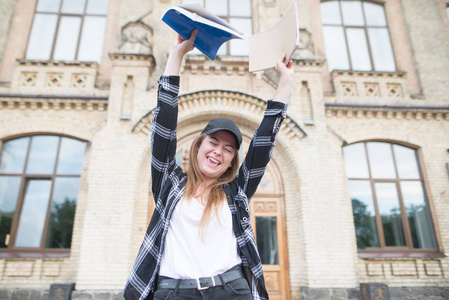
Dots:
{"x": 186, "y": 255}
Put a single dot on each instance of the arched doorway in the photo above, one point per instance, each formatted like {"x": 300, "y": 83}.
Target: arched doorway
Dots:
{"x": 268, "y": 220}
{"x": 267, "y": 206}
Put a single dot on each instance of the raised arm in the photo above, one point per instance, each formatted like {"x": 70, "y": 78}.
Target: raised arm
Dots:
{"x": 261, "y": 147}
{"x": 165, "y": 121}
{"x": 177, "y": 52}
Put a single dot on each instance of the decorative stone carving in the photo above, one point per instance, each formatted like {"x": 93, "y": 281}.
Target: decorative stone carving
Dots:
{"x": 306, "y": 48}
{"x": 372, "y": 89}
{"x": 432, "y": 268}
{"x": 28, "y": 79}
{"x": 237, "y": 101}
{"x": 19, "y": 268}
{"x": 137, "y": 38}
{"x": 394, "y": 90}
{"x": 79, "y": 80}
{"x": 349, "y": 89}
{"x": 53, "y": 79}
{"x": 404, "y": 269}
{"x": 374, "y": 269}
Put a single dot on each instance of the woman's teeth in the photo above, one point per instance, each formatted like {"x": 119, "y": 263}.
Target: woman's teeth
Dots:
{"x": 213, "y": 160}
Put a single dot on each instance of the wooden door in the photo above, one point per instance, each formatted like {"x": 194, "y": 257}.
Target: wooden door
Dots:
{"x": 268, "y": 221}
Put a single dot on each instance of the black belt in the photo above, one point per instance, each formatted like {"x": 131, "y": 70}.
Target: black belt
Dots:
{"x": 200, "y": 283}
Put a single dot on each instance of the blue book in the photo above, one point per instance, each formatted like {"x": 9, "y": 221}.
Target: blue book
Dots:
{"x": 212, "y": 31}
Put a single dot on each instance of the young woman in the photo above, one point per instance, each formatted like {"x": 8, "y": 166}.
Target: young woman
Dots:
{"x": 199, "y": 243}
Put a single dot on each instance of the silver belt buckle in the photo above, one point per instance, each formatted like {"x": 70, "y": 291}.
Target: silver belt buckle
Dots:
{"x": 200, "y": 288}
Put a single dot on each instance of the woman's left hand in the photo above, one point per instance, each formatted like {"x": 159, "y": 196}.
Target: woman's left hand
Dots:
{"x": 286, "y": 79}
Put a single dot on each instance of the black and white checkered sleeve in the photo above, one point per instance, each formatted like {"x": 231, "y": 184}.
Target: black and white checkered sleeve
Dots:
{"x": 261, "y": 148}
{"x": 164, "y": 129}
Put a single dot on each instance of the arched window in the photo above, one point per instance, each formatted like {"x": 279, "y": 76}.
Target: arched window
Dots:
{"x": 389, "y": 202}
{"x": 68, "y": 30}
{"x": 356, "y": 36}
{"x": 39, "y": 183}
{"x": 238, "y": 14}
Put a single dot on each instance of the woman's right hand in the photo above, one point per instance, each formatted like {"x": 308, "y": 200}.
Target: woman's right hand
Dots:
{"x": 178, "y": 50}
{"x": 184, "y": 46}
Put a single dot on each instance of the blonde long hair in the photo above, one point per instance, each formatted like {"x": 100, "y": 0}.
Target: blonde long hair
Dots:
{"x": 195, "y": 177}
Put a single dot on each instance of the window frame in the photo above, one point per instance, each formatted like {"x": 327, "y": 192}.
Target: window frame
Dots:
{"x": 365, "y": 30}
{"x": 398, "y": 251}
{"x": 41, "y": 251}
{"x": 59, "y": 16}
{"x": 227, "y": 19}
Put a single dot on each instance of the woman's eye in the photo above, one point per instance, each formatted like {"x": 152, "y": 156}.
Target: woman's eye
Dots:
{"x": 227, "y": 150}
{"x": 213, "y": 143}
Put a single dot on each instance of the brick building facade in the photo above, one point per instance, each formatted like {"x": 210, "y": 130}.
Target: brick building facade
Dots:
{"x": 357, "y": 109}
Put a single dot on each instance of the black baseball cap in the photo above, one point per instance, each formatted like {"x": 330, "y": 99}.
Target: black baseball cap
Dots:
{"x": 224, "y": 124}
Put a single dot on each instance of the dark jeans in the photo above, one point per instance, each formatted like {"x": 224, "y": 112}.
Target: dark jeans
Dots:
{"x": 236, "y": 290}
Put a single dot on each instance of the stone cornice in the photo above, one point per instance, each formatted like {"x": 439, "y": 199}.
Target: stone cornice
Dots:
{"x": 235, "y": 101}
{"x": 118, "y": 58}
{"x": 239, "y": 64}
{"x": 409, "y": 112}
{"x": 53, "y": 102}
{"x": 319, "y": 63}
{"x": 221, "y": 64}
{"x": 47, "y": 63}
{"x": 371, "y": 74}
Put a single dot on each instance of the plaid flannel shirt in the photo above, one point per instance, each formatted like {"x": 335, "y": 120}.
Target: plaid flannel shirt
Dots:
{"x": 168, "y": 187}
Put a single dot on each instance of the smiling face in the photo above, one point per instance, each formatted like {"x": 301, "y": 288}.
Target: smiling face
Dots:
{"x": 215, "y": 154}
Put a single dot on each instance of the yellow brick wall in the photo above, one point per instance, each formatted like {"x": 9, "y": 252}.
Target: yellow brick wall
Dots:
{"x": 114, "y": 200}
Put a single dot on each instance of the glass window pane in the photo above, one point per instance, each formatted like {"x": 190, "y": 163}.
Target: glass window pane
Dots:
{"x": 407, "y": 162}
{"x": 42, "y": 154}
{"x": 374, "y": 14}
{"x": 358, "y": 49}
{"x": 73, "y": 6}
{"x": 69, "y": 30}
{"x": 9, "y": 191}
{"x": 381, "y": 160}
{"x": 352, "y": 13}
{"x": 71, "y": 156}
{"x": 48, "y": 6}
{"x": 12, "y": 158}
{"x": 221, "y": 51}
{"x": 218, "y": 7}
{"x": 41, "y": 37}
{"x": 240, "y": 8}
{"x": 381, "y": 49}
{"x": 97, "y": 7}
{"x": 193, "y": 1}
{"x": 390, "y": 212}
{"x": 418, "y": 215}
{"x": 355, "y": 161}
{"x": 364, "y": 213}
{"x": 330, "y": 13}
{"x": 241, "y": 47}
{"x": 34, "y": 212}
{"x": 267, "y": 240}
{"x": 91, "y": 45}
{"x": 336, "y": 53}
{"x": 62, "y": 213}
